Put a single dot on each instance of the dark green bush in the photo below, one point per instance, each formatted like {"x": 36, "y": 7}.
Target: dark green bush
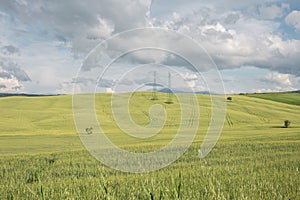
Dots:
{"x": 287, "y": 123}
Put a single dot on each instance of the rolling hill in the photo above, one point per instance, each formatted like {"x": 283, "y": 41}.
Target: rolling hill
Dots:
{"x": 292, "y": 98}
{"x": 32, "y": 118}
{"x": 42, "y": 156}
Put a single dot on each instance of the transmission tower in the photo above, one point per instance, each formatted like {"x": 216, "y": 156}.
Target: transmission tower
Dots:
{"x": 169, "y": 100}
{"x": 154, "y": 96}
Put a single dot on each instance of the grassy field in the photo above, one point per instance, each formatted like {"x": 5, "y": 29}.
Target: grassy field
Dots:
{"x": 255, "y": 158}
{"x": 289, "y": 98}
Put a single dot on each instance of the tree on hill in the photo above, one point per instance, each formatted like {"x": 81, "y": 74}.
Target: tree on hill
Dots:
{"x": 89, "y": 130}
{"x": 287, "y": 123}
{"x": 229, "y": 98}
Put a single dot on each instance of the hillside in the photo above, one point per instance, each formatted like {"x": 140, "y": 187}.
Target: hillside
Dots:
{"x": 42, "y": 156}
{"x": 292, "y": 98}
{"x": 34, "y": 118}
{"x": 53, "y": 115}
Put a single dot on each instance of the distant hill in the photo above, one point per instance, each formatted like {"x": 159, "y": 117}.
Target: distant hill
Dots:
{"x": 167, "y": 90}
{"x": 292, "y": 98}
{"x": 25, "y": 95}
{"x": 298, "y": 91}
{"x": 54, "y": 115}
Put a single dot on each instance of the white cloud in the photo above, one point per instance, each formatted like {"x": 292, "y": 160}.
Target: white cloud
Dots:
{"x": 277, "y": 82}
{"x": 190, "y": 79}
{"x": 273, "y": 11}
{"x": 12, "y": 76}
{"x": 293, "y": 19}
{"x": 13, "y": 70}
{"x": 10, "y": 49}
{"x": 264, "y": 90}
{"x": 10, "y": 85}
{"x": 278, "y": 78}
{"x": 41, "y": 36}
{"x": 276, "y": 89}
{"x": 82, "y": 24}
{"x": 243, "y": 40}
{"x": 190, "y": 76}
{"x": 109, "y": 90}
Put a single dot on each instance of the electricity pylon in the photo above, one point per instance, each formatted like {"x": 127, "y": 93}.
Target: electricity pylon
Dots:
{"x": 169, "y": 100}
{"x": 154, "y": 96}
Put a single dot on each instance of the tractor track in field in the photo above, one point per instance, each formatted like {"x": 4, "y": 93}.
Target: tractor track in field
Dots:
{"x": 192, "y": 116}
{"x": 228, "y": 119}
{"x": 257, "y": 115}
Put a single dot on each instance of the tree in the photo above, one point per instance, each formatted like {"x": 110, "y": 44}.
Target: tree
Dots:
{"x": 287, "y": 123}
{"x": 89, "y": 130}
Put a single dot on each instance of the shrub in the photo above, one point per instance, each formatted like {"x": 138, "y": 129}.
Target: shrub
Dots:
{"x": 89, "y": 130}
{"x": 287, "y": 123}
{"x": 229, "y": 98}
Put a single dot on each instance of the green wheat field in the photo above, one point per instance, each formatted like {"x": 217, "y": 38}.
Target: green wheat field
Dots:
{"x": 42, "y": 157}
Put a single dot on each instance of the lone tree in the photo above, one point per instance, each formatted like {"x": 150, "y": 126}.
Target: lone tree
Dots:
{"x": 89, "y": 130}
{"x": 287, "y": 123}
{"x": 229, "y": 98}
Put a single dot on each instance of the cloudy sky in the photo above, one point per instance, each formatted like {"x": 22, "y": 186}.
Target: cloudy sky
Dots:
{"x": 255, "y": 44}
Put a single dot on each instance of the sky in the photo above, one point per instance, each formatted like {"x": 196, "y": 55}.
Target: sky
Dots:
{"x": 255, "y": 45}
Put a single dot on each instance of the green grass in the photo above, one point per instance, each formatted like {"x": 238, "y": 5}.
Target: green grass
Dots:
{"x": 289, "y": 98}
{"x": 255, "y": 158}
